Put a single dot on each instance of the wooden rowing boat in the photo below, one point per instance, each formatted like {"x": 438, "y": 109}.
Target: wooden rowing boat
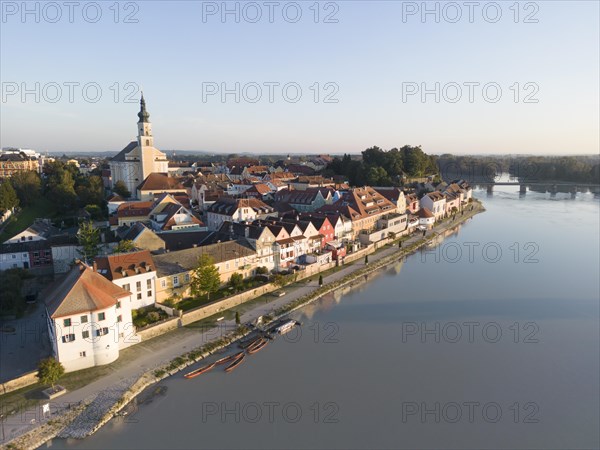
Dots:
{"x": 256, "y": 344}
{"x": 235, "y": 363}
{"x": 218, "y": 362}
{"x": 259, "y": 347}
{"x": 201, "y": 370}
{"x": 249, "y": 344}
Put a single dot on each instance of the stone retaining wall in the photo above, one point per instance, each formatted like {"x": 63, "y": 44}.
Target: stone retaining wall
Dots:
{"x": 18, "y": 383}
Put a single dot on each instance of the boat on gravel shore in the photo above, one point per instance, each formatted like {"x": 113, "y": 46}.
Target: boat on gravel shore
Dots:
{"x": 200, "y": 371}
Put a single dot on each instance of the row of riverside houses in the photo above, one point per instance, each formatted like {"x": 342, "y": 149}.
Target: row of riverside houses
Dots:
{"x": 244, "y": 215}
{"x": 82, "y": 311}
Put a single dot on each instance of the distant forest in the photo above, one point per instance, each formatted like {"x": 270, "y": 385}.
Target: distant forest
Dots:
{"x": 580, "y": 169}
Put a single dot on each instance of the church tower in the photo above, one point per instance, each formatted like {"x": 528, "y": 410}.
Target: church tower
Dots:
{"x": 140, "y": 158}
{"x": 145, "y": 138}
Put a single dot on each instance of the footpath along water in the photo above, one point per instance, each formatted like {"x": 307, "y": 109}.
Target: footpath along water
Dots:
{"x": 489, "y": 340}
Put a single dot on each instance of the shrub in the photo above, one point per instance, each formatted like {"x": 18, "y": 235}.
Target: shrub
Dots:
{"x": 262, "y": 270}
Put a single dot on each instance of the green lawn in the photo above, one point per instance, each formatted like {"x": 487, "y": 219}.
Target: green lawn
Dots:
{"x": 24, "y": 218}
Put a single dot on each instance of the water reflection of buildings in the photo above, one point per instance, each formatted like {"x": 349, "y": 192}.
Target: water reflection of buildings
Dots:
{"x": 331, "y": 299}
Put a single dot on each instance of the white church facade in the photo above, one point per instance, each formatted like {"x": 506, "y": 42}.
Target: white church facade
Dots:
{"x": 140, "y": 158}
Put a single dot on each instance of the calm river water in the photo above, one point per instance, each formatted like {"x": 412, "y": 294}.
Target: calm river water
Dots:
{"x": 490, "y": 340}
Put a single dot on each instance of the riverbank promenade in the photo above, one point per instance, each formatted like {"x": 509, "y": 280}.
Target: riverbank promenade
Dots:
{"x": 24, "y": 428}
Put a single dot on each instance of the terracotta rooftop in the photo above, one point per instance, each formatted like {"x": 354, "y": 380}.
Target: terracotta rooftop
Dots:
{"x": 81, "y": 290}
{"x": 122, "y": 265}
{"x": 135, "y": 209}
{"x": 160, "y": 181}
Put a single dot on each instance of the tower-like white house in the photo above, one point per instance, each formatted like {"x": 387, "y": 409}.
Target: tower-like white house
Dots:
{"x": 140, "y": 158}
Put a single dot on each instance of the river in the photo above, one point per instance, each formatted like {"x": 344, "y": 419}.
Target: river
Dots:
{"x": 490, "y": 340}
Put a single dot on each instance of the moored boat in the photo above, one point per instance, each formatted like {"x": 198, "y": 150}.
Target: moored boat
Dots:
{"x": 218, "y": 362}
{"x": 250, "y": 343}
{"x": 201, "y": 370}
{"x": 259, "y": 347}
{"x": 235, "y": 363}
{"x": 254, "y": 345}
{"x": 286, "y": 326}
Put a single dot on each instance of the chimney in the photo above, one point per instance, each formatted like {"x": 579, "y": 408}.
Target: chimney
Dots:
{"x": 95, "y": 266}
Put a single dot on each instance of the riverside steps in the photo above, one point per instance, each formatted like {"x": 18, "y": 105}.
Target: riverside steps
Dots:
{"x": 168, "y": 354}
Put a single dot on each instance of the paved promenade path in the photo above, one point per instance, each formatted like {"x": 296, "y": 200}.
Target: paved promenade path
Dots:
{"x": 136, "y": 360}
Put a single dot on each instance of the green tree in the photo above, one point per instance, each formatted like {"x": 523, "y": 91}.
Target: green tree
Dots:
{"x": 124, "y": 246}
{"x": 49, "y": 371}
{"x": 91, "y": 191}
{"x": 237, "y": 318}
{"x": 120, "y": 188}
{"x": 377, "y": 176}
{"x": 236, "y": 281}
{"x": 89, "y": 238}
{"x": 205, "y": 279}
{"x": 60, "y": 185}
{"x": 28, "y": 185}
{"x": 8, "y": 196}
{"x": 11, "y": 300}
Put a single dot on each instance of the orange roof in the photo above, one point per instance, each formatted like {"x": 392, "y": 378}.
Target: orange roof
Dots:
{"x": 134, "y": 209}
{"x": 124, "y": 265}
{"x": 157, "y": 181}
{"x": 82, "y": 290}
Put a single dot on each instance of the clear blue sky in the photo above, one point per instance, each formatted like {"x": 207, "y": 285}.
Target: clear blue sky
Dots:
{"x": 369, "y": 53}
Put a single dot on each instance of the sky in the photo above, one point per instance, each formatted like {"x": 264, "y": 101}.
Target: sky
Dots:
{"x": 303, "y": 77}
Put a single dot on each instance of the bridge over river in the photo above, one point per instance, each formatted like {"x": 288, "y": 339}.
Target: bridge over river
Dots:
{"x": 541, "y": 186}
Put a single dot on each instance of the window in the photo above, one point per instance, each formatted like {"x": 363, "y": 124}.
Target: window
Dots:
{"x": 127, "y": 287}
{"x": 83, "y": 319}
{"x": 118, "y": 304}
{"x": 148, "y": 284}
{"x": 82, "y": 354}
{"x": 175, "y": 280}
{"x": 186, "y": 278}
{"x": 85, "y": 334}
{"x": 68, "y": 338}
{"x": 163, "y": 283}
{"x": 119, "y": 318}
{"x": 139, "y": 295}
{"x": 138, "y": 286}
{"x": 101, "y": 331}
{"x": 149, "y": 293}
{"x": 101, "y": 316}
{"x": 67, "y": 322}
{"x": 36, "y": 254}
